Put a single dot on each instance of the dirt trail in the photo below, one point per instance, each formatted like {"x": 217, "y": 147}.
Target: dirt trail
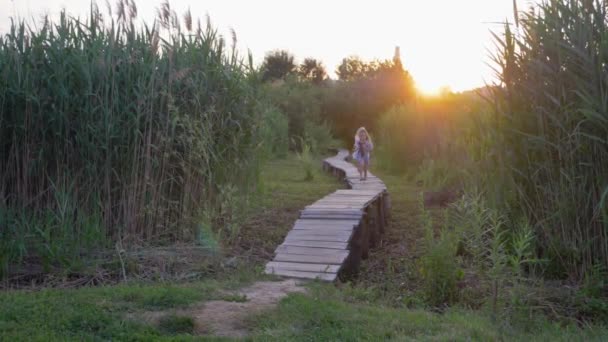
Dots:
{"x": 222, "y": 318}
{"x": 227, "y": 318}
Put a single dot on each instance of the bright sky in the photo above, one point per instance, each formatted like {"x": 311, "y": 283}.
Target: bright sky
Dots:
{"x": 443, "y": 42}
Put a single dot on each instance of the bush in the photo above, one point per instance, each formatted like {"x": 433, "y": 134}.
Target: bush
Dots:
{"x": 300, "y": 103}
{"x": 307, "y": 161}
{"x": 275, "y": 135}
{"x": 439, "y": 266}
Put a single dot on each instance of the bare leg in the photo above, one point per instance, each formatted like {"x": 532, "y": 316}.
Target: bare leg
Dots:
{"x": 360, "y": 169}
{"x": 365, "y": 166}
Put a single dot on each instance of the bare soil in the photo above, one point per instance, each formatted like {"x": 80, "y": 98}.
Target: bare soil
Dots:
{"x": 224, "y": 318}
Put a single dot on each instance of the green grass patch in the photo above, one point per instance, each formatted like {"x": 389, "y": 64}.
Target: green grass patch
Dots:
{"x": 102, "y": 313}
{"x": 325, "y": 316}
{"x": 283, "y": 193}
{"x": 284, "y": 184}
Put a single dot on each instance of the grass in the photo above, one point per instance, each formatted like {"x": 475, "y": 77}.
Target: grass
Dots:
{"x": 284, "y": 192}
{"x": 110, "y": 312}
{"x": 93, "y": 313}
{"x": 326, "y": 315}
{"x": 174, "y": 324}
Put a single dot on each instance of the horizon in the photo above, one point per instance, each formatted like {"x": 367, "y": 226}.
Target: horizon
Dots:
{"x": 329, "y": 32}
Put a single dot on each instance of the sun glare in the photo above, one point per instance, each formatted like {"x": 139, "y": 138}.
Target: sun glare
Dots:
{"x": 428, "y": 91}
{"x": 429, "y": 88}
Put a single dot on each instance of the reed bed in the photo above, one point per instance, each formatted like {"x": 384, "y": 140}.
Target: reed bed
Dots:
{"x": 548, "y": 137}
{"x": 114, "y": 132}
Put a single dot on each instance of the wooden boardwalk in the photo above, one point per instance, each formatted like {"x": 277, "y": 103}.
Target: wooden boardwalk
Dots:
{"x": 333, "y": 234}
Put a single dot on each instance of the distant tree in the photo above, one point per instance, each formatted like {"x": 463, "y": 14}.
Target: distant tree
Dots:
{"x": 312, "y": 70}
{"x": 278, "y": 65}
{"x": 352, "y": 68}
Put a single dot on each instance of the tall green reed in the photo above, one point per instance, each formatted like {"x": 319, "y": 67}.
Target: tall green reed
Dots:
{"x": 550, "y": 129}
{"x": 136, "y": 128}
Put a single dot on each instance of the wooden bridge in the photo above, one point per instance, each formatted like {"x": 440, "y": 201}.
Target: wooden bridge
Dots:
{"x": 333, "y": 234}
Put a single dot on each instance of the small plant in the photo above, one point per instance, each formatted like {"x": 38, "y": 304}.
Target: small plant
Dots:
{"x": 433, "y": 173}
{"x": 439, "y": 266}
{"x": 592, "y": 299}
{"x": 307, "y": 161}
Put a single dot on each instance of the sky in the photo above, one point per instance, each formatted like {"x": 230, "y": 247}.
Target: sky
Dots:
{"x": 442, "y": 42}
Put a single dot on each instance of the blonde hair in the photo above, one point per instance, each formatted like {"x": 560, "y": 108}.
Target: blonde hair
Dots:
{"x": 362, "y": 129}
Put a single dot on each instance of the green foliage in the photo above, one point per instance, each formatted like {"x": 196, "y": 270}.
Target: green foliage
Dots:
{"x": 437, "y": 173}
{"x": 439, "y": 266}
{"x": 103, "y": 313}
{"x": 319, "y": 138}
{"x": 278, "y": 65}
{"x": 501, "y": 252}
{"x": 307, "y": 162}
{"x": 547, "y": 137}
{"x": 592, "y": 299}
{"x": 275, "y": 133}
{"x": 109, "y": 131}
{"x": 301, "y": 103}
{"x": 327, "y": 316}
{"x": 426, "y": 135}
{"x": 352, "y": 68}
{"x": 312, "y": 70}
{"x": 359, "y": 100}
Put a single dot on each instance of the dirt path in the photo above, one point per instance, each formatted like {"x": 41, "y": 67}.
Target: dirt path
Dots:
{"x": 225, "y": 318}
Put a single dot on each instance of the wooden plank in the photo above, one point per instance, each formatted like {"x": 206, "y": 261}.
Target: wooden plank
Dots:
{"x": 316, "y": 244}
{"x": 327, "y": 224}
{"x": 310, "y": 250}
{"x": 352, "y": 193}
{"x": 343, "y": 197}
{"x": 347, "y": 200}
{"x": 331, "y": 211}
{"x": 338, "y": 212}
{"x": 320, "y": 238}
{"x": 336, "y": 206}
{"x": 295, "y": 266}
{"x": 330, "y": 277}
{"x": 353, "y": 222}
{"x": 345, "y": 221}
{"x": 331, "y": 215}
{"x": 355, "y": 192}
{"x": 325, "y": 228}
{"x": 345, "y": 204}
{"x": 369, "y": 196}
{"x": 318, "y": 235}
{"x": 320, "y": 232}
{"x": 344, "y": 200}
{"x": 333, "y": 259}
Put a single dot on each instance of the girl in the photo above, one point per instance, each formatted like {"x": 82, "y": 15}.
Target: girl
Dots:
{"x": 362, "y": 149}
